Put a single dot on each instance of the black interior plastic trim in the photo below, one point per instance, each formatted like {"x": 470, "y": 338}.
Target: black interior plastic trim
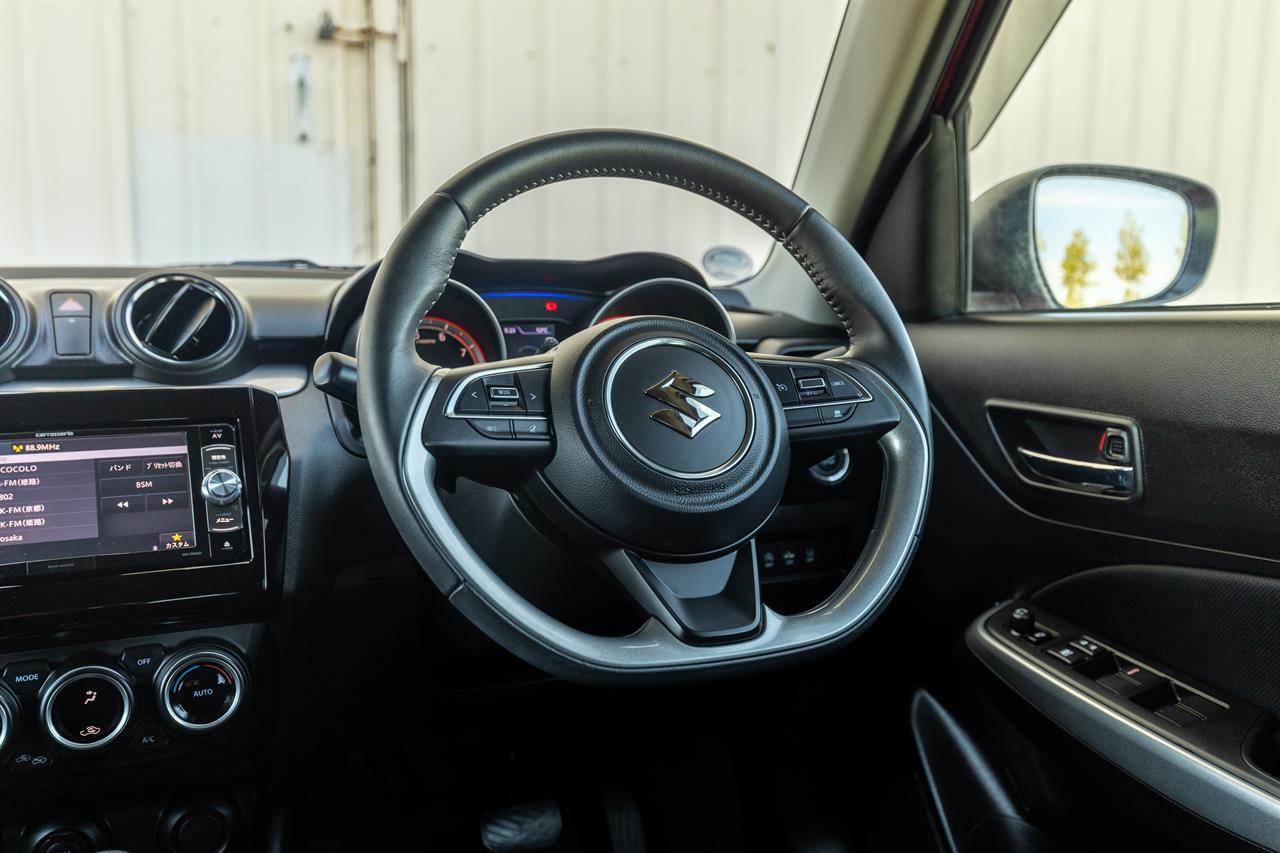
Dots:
{"x": 1199, "y": 382}
{"x": 1247, "y": 807}
{"x": 967, "y": 792}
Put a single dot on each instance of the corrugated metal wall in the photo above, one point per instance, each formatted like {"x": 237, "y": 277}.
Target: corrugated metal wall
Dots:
{"x": 742, "y": 77}
{"x": 150, "y": 132}
{"x": 1186, "y": 87}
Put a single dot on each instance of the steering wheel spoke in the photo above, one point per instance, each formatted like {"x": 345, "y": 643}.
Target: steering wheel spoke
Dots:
{"x": 829, "y": 403}
{"x": 700, "y": 602}
{"x": 494, "y": 419}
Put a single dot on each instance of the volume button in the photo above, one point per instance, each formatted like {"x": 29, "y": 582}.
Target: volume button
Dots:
{"x": 221, "y": 487}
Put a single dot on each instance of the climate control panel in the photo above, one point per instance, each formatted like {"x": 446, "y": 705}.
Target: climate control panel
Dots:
{"x": 139, "y": 698}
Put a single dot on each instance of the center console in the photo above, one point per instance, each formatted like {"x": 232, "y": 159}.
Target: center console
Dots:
{"x": 140, "y": 553}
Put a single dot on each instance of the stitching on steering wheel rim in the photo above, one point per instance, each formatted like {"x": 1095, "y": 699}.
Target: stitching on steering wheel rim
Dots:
{"x": 741, "y": 208}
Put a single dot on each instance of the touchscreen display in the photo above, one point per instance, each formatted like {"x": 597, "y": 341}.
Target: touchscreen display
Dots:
{"x": 97, "y": 494}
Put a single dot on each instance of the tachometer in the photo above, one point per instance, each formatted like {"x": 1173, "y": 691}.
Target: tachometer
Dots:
{"x": 447, "y": 344}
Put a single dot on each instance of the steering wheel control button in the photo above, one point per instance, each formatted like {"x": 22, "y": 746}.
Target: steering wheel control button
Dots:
{"x": 142, "y": 661}
{"x": 532, "y": 430}
{"x": 492, "y": 427}
{"x": 783, "y": 384}
{"x": 503, "y": 395}
{"x": 803, "y": 418}
{"x": 200, "y": 689}
{"x": 26, "y": 677}
{"x": 837, "y": 412}
{"x": 534, "y": 384}
{"x": 812, "y": 387}
{"x": 87, "y": 707}
{"x": 221, "y": 487}
{"x": 473, "y": 401}
{"x": 846, "y": 388}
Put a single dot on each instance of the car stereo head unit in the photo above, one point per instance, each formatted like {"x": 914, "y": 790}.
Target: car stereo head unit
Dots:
{"x": 83, "y": 501}
{"x": 137, "y": 504}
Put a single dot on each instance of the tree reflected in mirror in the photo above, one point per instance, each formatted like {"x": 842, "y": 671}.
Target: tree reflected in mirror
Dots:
{"x": 1104, "y": 241}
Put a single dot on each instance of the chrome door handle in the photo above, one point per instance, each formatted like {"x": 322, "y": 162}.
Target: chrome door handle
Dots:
{"x": 1100, "y": 478}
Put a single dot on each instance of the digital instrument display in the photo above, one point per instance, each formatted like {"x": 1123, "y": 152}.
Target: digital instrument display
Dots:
{"x": 527, "y": 337}
{"x": 66, "y": 495}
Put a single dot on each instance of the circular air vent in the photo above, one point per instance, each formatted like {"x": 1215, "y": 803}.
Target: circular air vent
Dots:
{"x": 13, "y": 321}
{"x": 181, "y": 320}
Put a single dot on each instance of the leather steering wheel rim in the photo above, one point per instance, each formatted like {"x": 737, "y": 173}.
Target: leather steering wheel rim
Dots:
{"x": 396, "y": 390}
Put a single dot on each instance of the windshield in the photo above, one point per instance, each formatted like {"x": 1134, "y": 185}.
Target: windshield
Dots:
{"x": 147, "y": 133}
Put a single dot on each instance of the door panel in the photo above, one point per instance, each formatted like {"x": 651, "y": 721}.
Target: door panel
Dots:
{"x": 1182, "y": 574}
{"x": 1203, "y": 388}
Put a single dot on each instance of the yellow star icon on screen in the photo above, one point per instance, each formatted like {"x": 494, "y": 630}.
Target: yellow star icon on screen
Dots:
{"x": 177, "y": 537}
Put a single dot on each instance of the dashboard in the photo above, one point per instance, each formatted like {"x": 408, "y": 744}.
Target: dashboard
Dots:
{"x": 182, "y": 512}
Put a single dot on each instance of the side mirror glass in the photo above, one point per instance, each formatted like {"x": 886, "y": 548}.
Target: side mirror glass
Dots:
{"x": 1091, "y": 236}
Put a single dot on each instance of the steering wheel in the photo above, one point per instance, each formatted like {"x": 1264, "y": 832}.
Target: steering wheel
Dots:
{"x": 652, "y": 442}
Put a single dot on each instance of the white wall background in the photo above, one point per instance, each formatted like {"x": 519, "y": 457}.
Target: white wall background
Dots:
{"x": 159, "y": 131}
{"x": 153, "y": 132}
{"x": 1184, "y": 86}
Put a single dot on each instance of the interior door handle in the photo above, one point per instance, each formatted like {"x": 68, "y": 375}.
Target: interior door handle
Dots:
{"x": 1099, "y": 477}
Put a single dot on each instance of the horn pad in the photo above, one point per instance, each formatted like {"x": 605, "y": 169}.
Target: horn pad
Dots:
{"x": 668, "y": 439}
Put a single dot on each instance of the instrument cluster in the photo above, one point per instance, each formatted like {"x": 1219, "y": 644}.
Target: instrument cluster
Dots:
{"x": 476, "y": 326}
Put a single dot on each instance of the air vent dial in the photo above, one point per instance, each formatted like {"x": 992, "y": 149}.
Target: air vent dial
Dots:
{"x": 181, "y": 320}
{"x": 13, "y": 322}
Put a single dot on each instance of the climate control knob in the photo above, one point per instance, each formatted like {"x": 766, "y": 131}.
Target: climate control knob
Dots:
{"x": 9, "y": 718}
{"x": 221, "y": 487}
{"x": 86, "y": 707}
{"x": 200, "y": 689}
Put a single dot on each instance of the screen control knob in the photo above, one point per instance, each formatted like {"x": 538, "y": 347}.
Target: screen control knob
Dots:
{"x": 86, "y": 707}
{"x": 9, "y": 718}
{"x": 221, "y": 487}
{"x": 200, "y": 689}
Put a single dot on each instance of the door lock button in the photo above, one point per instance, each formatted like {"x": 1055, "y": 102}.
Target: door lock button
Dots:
{"x": 1115, "y": 446}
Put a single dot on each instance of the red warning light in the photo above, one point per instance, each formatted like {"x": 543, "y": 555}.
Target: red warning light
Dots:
{"x": 551, "y": 305}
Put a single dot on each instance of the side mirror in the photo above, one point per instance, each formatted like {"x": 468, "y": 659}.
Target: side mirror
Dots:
{"x": 1084, "y": 236}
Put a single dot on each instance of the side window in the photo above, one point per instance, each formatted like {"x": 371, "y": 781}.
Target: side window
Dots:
{"x": 1134, "y": 163}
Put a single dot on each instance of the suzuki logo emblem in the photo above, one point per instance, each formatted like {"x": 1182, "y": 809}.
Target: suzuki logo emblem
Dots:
{"x": 687, "y": 415}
